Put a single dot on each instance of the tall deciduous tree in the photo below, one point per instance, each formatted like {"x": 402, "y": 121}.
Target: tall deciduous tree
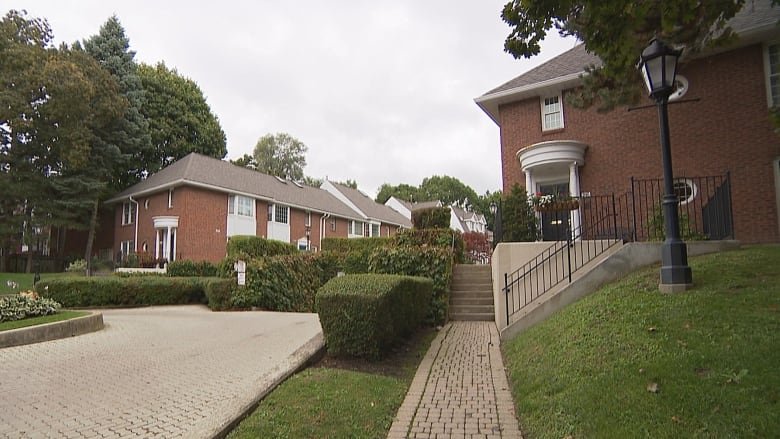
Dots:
{"x": 401, "y": 191}
{"x": 281, "y": 155}
{"x": 448, "y": 190}
{"x": 180, "y": 120}
{"x": 617, "y": 32}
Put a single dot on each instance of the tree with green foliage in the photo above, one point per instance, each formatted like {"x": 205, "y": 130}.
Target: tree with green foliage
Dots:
{"x": 245, "y": 161}
{"x": 180, "y": 121}
{"x": 617, "y": 32}
{"x": 448, "y": 190}
{"x": 517, "y": 217}
{"x": 401, "y": 191}
{"x": 281, "y": 155}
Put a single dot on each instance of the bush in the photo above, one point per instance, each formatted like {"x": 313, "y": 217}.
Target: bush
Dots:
{"x": 280, "y": 283}
{"x": 24, "y": 305}
{"x": 219, "y": 293}
{"x": 352, "y": 254}
{"x": 250, "y": 247}
{"x": 433, "y": 263}
{"x": 364, "y": 315}
{"x": 187, "y": 268}
{"x": 123, "y": 291}
{"x": 431, "y": 218}
{"x": 77, "y": 266}
{"x": 443, "y": 238}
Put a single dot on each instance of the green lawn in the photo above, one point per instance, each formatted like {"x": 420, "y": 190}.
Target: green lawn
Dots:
{"x": 630, "y": 362}
{"x": 25, "y": 280}
{"x": 32, "y": 321}
{"x": 325, "y": 402}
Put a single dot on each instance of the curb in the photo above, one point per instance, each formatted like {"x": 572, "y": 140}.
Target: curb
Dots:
{"x": 52, "y": 331}
{"x": 307, "y": 354}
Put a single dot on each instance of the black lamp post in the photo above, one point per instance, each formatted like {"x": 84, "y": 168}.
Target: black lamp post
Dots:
{"x": 658, "y": 65}
{"x": 493, "y": 210}
{"x": 308, "y": 237}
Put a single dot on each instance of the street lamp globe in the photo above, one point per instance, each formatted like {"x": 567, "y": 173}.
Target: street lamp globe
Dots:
{"x": 658, "y": 64}
{"x": 493, "y": 207}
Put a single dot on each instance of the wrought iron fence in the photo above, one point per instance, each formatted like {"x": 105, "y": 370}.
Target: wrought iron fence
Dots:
{"x": 606, "y": 220}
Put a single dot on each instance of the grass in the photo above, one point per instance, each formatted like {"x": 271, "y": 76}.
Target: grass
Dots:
{"x": 630, "y": 362}
{"x": 330, "y": 402}
{"x": 32, "y": 321}
{"x": 25, "y": 280}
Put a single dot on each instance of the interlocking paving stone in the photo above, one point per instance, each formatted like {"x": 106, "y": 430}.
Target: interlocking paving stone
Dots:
{"x": 460, "y": 389}
{"x": 180, "y": 371}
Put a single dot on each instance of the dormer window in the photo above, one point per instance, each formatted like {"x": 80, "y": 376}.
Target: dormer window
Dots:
{"x": 552, "y": 113}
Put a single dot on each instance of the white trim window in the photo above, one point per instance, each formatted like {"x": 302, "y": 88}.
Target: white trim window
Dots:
{"x": 552, "y": 113}
{"x": 279, "y": 214}
{"x": 126, "y": 247}
{"x": 356, "y": 229}
{"x": 241, "y": 206}
{"x": 374, "y": 230}
{"x": 170, "y": 198}
{"x": 773, "y": 74}
{"x": 128, "y": 213}
{"x": 307, "y": 221}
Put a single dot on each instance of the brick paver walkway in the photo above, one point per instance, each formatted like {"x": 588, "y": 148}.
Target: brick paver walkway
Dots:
{"x": 460, "y": 389}
{"x": 152, "y": 372}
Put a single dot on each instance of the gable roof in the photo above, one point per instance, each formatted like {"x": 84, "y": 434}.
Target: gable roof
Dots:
{"x": 424, "y": 205}
{"x": 214, "y": 174}
{"x": 753, "y": 23}
{"x": 368, "y": 207}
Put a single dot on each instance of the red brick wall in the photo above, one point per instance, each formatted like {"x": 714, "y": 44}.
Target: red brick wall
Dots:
{"x": 728, "y": 129}
{"x": 298, "y": 227}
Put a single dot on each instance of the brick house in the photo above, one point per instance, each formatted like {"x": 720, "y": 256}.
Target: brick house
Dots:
{"x": 720, "y": 126}
{"x": 462, "y": 220}
{"x": 376, "y": 219}
{"x": 189, "y": 209}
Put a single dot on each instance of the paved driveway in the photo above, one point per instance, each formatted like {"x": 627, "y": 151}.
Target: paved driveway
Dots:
{"x": 176, "y": 371}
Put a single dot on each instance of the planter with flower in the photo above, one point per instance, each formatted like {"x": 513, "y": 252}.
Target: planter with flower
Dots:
{"x": 553, "y": 202}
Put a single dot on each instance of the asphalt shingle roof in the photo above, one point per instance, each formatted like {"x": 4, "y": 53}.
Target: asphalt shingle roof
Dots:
{"x": 221, "y": 175}
{"x": 371, "y": 208}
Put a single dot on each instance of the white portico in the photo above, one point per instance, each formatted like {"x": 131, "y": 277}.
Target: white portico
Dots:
{"x": 554, "y": 165}
{"x": 165, "y": 228}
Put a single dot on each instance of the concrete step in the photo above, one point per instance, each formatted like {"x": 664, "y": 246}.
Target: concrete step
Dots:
{"x": 461, "y": 289}
{"x": 482, "y": 317}
{"x": 471, "y": 309}
{"x": 470, "y": 294}
{"x": 484, "y": 300}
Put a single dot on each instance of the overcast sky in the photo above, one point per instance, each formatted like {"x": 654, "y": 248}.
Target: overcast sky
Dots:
{"x": 380, "y": 92}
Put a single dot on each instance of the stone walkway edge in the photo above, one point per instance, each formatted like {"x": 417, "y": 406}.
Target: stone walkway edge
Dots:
{"x": 460, "y": 388}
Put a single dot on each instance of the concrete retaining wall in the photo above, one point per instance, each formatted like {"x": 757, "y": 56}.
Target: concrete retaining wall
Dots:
{"x": 52, "y": 331}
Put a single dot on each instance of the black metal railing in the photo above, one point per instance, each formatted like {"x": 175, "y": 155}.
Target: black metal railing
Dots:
{"x": 606, "y": 220}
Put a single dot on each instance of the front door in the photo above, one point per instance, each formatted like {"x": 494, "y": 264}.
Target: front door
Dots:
{"x": 554, "y": 224}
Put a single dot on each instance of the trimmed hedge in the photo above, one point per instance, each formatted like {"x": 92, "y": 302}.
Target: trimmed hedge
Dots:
{"x": 431, "y": 218}
{"x": 187, "y": 268}
{"x": 123, "y": 291}
{"x": 352, "y": 254}
{"x": 444, "y": 238}
{"x": 219, "y": 293}
{"x": 280, "y": 283}
{"x": 363, "y": 315}
{"x": 250, "y": 247}
{"x": 433, "y": 263}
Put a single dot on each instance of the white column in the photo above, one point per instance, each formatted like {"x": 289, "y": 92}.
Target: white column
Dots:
{"x": 574, "y": 188}
{"x": 175, "y": 238}
{"x": 157, "y": 243}
{"x": 529, "y": 182}
{"x": 167, "y": 250}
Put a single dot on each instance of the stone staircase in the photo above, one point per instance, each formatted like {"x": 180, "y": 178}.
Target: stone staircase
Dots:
{"x": 471, "y": 293}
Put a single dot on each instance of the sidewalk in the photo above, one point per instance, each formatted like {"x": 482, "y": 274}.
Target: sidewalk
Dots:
{"x": 460, "y": 389}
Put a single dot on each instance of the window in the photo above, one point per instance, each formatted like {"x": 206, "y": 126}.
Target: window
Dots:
{"x": 146, "y": 204}
{"x": 374, "y": 229}
{"x": 552, "y": 113}
{"x": 128, "y": 213}
{"x": 356, "y": 228}
{"x": 307, "y": 222}
{"x": 281, "y": 214}
{"x": 333, "y": 225}
{"x": 170, "y": 198}
{"x": 773, "y": 74}
{"x": 126, "y": 247}
{"x": 240, "y": 205}
{"x": 680, "y": 88}
{"x": 685, "y": 190}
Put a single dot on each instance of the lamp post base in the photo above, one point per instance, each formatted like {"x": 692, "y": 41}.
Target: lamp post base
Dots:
{"x": 675, "y": 272}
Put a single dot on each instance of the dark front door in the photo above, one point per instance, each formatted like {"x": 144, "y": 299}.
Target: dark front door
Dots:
{"x": 554, "y": 224}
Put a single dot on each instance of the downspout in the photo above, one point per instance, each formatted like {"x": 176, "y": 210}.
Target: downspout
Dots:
{"x": 135, "y": 238}
{"x": 322, "y": 227}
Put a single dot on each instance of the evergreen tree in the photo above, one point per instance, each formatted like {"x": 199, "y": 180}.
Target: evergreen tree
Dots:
{"x": 517, "y": 217}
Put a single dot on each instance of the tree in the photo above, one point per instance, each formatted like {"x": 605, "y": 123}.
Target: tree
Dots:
{"x": 180, "y": 121}
{"x": 517, "y": 217}
{"x": 448, "y": 190}
{"x": 281, "y": 155}
{"x": 111, "y": 48}
{"x": 246, "y": 161}
{"x": 348, "y": 183}
{"x": 311, "y": 181}
{"x": 617, "y": 32}
{"x": 401, "y": 191}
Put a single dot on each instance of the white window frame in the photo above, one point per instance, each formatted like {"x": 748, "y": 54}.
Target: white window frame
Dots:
{"x": 170, "y": 198}
{"x": 333, "y": 225}
{"x": 128, "y": 213}
{"x": 240, "y": 205}
{"x": 279, "y": 213}
{"x": 127, "y": 247}
{"x": 544, "y": 112}
{"x": 375, "y": 227}
{"x": 307, "y": 221}
{"x": 353, "y": 226}
{"x": 770, "y": 100}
